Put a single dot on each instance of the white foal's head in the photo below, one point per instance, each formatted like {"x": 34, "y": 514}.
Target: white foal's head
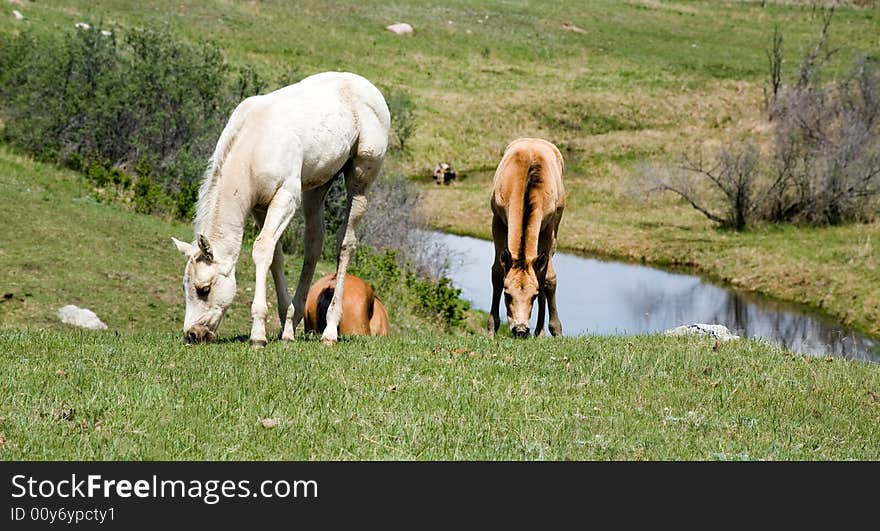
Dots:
{"x": 209, "y": 287}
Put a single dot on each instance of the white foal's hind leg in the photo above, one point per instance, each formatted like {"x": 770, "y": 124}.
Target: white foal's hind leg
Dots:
{"x": 313, "y": 211}
{"x": 278, "y": 216}
{"x": 358, "y": 177}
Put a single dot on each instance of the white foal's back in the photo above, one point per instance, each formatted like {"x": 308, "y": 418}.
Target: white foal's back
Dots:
{"x": 316, "y": 125}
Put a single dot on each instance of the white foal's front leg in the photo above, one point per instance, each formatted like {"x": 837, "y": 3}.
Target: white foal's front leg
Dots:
{"x": 285, "y": 306}
{"x": 278, "y": 216}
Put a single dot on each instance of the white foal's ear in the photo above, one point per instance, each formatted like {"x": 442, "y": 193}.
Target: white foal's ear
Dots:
{"x": 205, "y": 248}
{"x": 186, "y": 249}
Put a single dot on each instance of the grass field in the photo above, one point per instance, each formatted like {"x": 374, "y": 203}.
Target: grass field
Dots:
{"x": 645, "y": 79}
{"x": 147, "y": 396}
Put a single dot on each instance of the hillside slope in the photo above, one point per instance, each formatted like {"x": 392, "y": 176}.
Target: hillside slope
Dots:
{"x": 133, "y": 394}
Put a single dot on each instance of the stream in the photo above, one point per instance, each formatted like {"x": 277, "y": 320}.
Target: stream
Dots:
{"x": 615, "y": 298}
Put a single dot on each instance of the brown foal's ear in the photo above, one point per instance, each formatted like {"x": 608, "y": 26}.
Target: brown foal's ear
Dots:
{"x": 540, "y": 262}
{"x": 506, "y": 260}
{"x": 205, "y": 247}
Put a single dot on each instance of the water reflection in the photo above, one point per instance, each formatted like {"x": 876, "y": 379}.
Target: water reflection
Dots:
{"x": 596, "y": 297}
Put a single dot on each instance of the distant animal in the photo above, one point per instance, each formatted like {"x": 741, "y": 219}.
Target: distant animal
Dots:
{"x": 443, "y": 173}
{"x": 527, "y": 202}
{"x": 363, "y": 314}
{"x": 278, "y": 152}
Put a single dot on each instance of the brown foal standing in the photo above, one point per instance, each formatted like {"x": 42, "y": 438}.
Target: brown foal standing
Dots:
{"x": 527, "y": 203}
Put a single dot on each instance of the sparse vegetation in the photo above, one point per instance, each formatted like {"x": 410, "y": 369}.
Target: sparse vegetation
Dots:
{"x": 403, "y": 120}
{"x": 732, "y": 176}
{"x": 825, "y": 162}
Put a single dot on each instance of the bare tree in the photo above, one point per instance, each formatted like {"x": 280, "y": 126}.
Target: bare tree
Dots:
{"x": 774, "y": 58}
{"x": 731, "y": 198}
{"x": 814, "y": 58}
{"x": 827, "y": 150}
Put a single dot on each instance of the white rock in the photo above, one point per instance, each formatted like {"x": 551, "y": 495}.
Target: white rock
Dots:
{"x": 719, "y": 332}
{"x": 106, "y": 33}
{"x": 401, "y": 28}
{"x": 17, "y": 14}
{"x": 82, "y": 25}
{"x": 81, "y": 317}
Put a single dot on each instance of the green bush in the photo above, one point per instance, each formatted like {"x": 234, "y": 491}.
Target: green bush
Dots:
{"x": 434, "y": 298}
{"x": 439, "y": 297}
{"x": 145, "y": 104}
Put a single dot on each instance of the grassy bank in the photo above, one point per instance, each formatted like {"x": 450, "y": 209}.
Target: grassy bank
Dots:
{"x": 426, "y": 396}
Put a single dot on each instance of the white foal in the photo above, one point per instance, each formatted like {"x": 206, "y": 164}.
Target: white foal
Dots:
{"x": 277, "y": 152}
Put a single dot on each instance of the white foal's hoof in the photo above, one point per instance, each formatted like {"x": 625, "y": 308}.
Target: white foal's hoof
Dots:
{"x": 329, "y": 338}
{"x": 258, "y": 343}
{"x": 330, "y": 335}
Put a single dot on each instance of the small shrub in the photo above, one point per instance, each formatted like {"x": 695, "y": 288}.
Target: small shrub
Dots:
{"x": 147, "y": 196}
{"x": 827, "y": 150}
{"x": 732, "y": 197}
{"x": 432, "y": 298}
{"x": 403, "y": 120}
{"x": 439, "y": 298}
